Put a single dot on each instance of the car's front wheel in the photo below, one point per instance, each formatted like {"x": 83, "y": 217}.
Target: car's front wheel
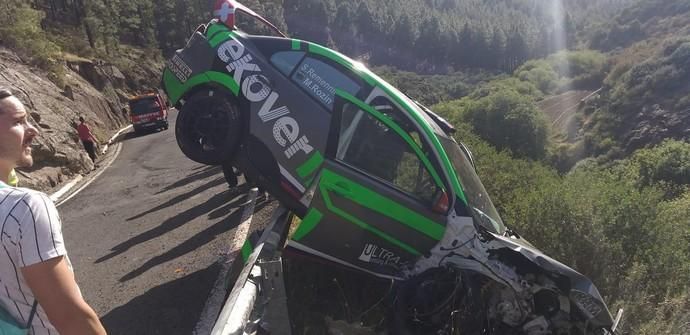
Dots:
{"x": 208, "y": 127}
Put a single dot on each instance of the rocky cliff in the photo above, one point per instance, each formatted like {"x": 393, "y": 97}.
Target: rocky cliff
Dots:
{"x": 93, "y": 90}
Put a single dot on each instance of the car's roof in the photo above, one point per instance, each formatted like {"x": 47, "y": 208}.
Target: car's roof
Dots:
{"x": 143, "y": 96}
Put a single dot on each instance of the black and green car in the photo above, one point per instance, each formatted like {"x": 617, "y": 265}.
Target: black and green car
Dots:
{"x": 378, "y": 180}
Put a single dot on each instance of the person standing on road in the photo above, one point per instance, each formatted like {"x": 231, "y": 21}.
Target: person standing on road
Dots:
{"x": 87, "y": 139}
{"x": 36, "y": 278}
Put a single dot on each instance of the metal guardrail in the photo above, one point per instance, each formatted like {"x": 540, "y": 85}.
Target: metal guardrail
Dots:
{"x": 216, "y": 299}
{"x": 257, "y": 299}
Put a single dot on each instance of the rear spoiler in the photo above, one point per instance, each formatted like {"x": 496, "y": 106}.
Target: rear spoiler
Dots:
{"x": 224, "y": 11}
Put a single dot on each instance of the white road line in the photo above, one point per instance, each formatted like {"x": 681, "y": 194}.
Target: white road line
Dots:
{"x": 62, "y": 191}
{"x": 57, "y": 195}
{"x": 216, "y": 298}
{"x": 92, "y": 179}
{"x": 110, "y": 141}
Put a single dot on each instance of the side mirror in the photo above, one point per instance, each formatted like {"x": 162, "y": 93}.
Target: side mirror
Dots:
{"x": 441, "y": 203}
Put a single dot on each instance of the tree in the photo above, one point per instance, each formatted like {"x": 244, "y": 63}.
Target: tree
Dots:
{"x": 666, "y": 165}
{"x": 510, "y": 121}
{"x": 307, "y": 19}
{"x": 479, "y": 49}
{"x": 404, "y": 40}
{"x": 517, "y": 50}
{"x": 497, "y": 50}
{"x": 344, "y": 29}
{"x": 462, "y": 53}
{"x": 430, "y": 41}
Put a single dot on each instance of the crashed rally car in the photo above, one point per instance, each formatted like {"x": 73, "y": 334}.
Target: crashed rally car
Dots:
{"x": 378, "y": 180}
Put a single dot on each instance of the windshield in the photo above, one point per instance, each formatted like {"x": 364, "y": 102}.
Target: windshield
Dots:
{"x": 478, "y": 200}
{"x": 144, "y": 106}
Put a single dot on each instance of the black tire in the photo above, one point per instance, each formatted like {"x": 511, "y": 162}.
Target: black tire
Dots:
{"x": 208, "y": 127}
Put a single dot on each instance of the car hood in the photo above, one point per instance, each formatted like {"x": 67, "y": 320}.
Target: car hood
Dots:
{"x": 578, "y": 282}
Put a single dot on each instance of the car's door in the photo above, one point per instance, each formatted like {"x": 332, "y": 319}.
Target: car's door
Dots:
{"x": 373, "y": 200}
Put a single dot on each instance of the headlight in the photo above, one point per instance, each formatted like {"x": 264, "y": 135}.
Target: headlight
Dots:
{"x": 588, "y": 304}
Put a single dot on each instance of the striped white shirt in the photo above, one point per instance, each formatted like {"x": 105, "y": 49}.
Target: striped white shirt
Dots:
{"x": 31, "y": 233}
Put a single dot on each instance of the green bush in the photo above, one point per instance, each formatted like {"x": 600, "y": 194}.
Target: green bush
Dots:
{"x": 657, "y": 301}
{"x": 432, "y": 89}
{"x": 509, "y": 121}
{"x": 584, "y": 69}
{"x": 666, "y": 166}
{"x": 540, "y": 74}
{"x": 21, "y": 30}
{"x": 524, "y": 88}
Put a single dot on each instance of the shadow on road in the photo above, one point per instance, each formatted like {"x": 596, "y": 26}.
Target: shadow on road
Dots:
{"x": 169, "y": 309}
{"x": 191, "y": 244}
{"x": 205, "y": 172}
{"x": 176, "y": 221}
{"x": 128, "y": 136}
{"x": 180, "y": 198}
{"x": 131, "y": 134}
{"x": 225, "y": 210}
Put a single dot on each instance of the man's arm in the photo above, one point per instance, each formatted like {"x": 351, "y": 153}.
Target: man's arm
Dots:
{"x": 93, "y": 138}
{"x": 53, "y": 285}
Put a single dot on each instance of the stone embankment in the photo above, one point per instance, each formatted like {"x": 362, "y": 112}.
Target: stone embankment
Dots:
{"x": 94, "y": 90}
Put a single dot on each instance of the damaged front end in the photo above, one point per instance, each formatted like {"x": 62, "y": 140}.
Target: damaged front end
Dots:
{"x": 506, "y": 286}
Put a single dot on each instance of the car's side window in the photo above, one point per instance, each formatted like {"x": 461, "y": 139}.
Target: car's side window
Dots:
{"x": 286, "y": 61}
{"x": 370, "y": 144}
{"x": 320, "y": 80}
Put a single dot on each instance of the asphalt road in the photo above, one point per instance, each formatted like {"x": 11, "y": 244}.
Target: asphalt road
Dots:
{"x": 145, "y": 236}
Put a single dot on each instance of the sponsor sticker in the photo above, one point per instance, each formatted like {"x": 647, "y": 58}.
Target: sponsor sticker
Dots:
{"x": 378, "y": 255}
{"x": 255, "y": 87}
{"x": 178, "y": 67}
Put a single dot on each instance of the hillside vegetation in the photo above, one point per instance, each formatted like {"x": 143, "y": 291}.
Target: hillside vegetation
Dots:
{"x": 645, "y": 98}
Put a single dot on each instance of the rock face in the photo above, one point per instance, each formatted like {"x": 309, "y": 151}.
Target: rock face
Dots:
{"x": 58, "y": 154}
{"x": 655, "y": 124}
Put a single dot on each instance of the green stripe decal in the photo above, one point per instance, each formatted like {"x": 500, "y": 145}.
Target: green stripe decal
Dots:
{"x": 388, "y": 122}
{"x": 225, "y": 80}
{"x": 220, "y": 38}
{"x": 310, "y": 166}
{"x": 382, "y": 205}
{"x": 215, "y": 28}
{"x": 173, "y": 87}
{"x": 308, "y": 224}
{"x": 374, "y": 80}
{"x": 176, "y": 89}
{"x": 296, "y": 44}
{"x": 347, "y": 216}
{"x": 217, "y": 34}
{"x": 247, "y": 249}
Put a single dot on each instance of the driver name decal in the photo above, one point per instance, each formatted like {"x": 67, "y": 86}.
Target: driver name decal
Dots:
{"x": 255, "y": 87}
